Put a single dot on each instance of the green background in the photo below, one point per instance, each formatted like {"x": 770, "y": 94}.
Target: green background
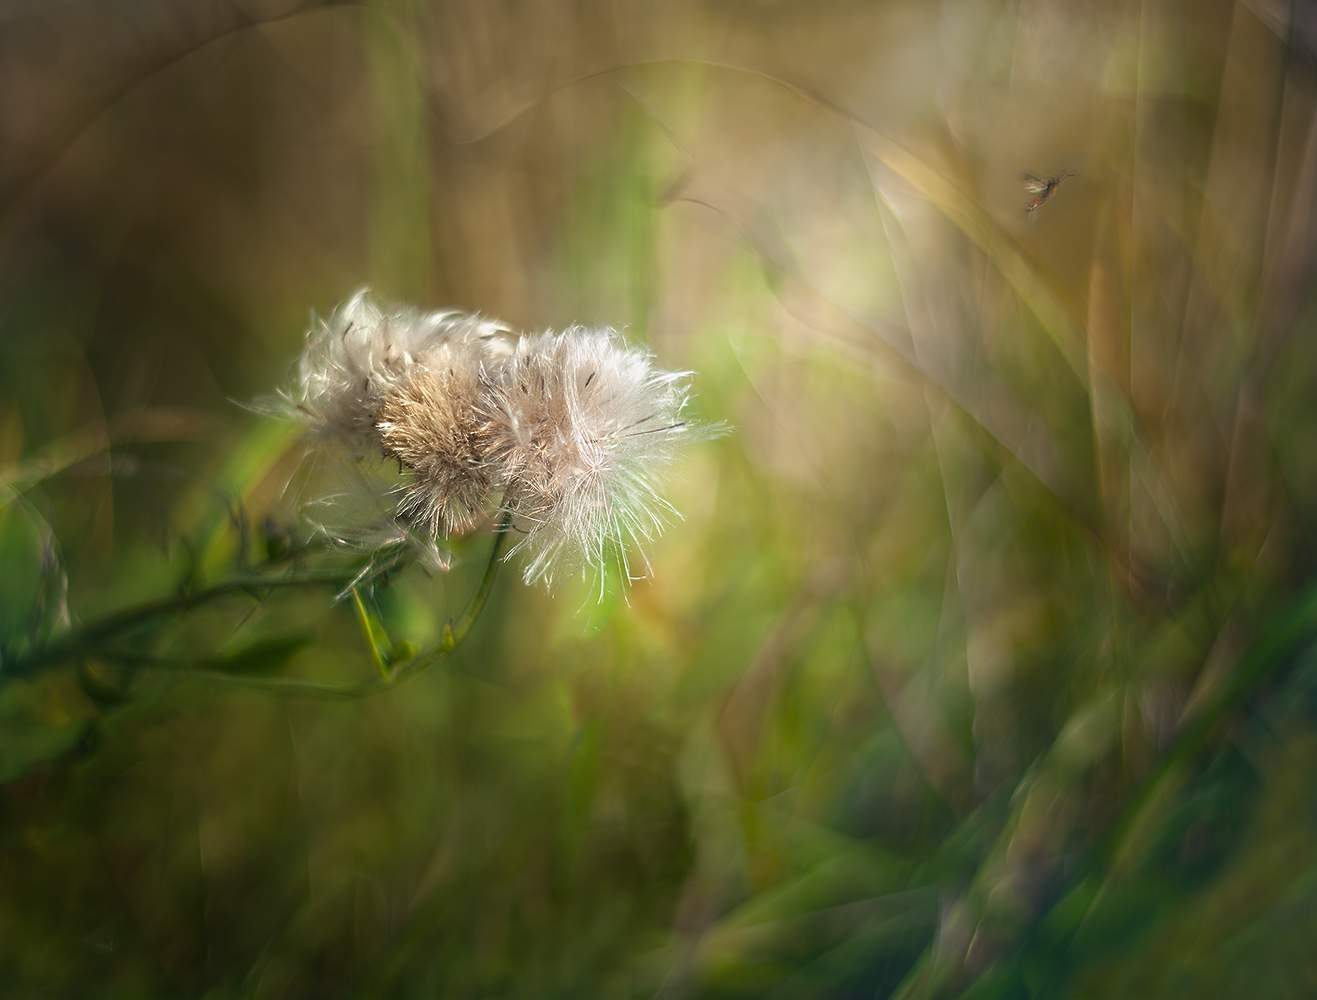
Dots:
{"x": 982, "y": 661}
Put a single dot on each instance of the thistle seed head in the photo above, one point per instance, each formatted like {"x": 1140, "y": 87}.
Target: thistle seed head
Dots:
{"x": 428, "y": 418}
{"x": 582, "y": 429}
{"x": 574, "y": 431}
{"x": 360, "y": 352}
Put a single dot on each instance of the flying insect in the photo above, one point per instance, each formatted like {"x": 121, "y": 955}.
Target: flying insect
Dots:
{"x": 1041, "y": 189}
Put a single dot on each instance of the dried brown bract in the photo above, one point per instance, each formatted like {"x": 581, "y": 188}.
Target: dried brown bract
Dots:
{"x": 429, "y": 420}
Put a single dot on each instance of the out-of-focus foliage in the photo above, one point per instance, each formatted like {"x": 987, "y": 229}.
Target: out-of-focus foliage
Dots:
{"x": 983, "y": 662}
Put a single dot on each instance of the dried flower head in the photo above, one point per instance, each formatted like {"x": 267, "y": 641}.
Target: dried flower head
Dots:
{"x": 573, "y": 431}
{"x": 429, "y": 420}
{"x": 361, "y": 352}
{"x": 408, "y": 385}
{"x": 582, "y": 429}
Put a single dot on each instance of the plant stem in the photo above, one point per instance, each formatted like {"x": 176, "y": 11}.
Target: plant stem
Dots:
{"x": 454, "y": 633}
{"x": 85, "y": 640}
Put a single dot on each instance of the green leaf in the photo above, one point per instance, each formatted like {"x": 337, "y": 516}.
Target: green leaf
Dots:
{"x": 377, "y": 639}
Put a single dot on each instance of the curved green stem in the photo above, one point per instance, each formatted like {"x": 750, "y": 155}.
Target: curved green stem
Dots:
{"x": 454, "y": 633}
{"x": 84, "y": 640}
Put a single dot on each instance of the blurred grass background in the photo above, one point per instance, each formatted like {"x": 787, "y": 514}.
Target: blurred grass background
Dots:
{"x": 982, "y": 663}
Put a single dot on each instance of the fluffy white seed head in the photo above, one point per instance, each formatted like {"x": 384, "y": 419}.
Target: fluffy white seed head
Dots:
{"x": 573, "y": 431}
{"x": 582, "y": 429}
{"x": 405, "y": 384}
{"x": 361, "y": 352}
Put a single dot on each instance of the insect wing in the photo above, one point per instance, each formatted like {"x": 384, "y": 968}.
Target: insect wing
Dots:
{"x": 1034, "y": 185}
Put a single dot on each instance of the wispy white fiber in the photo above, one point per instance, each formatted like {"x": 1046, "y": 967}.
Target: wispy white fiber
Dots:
{"x": 569, "y": 433}
{"x": 360, "y": 352}
{"x": 406, "y": 384}
{"x": 582, "y": 428}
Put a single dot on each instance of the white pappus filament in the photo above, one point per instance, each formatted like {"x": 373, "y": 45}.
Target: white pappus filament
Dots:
{"x": 570, "y": 434}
